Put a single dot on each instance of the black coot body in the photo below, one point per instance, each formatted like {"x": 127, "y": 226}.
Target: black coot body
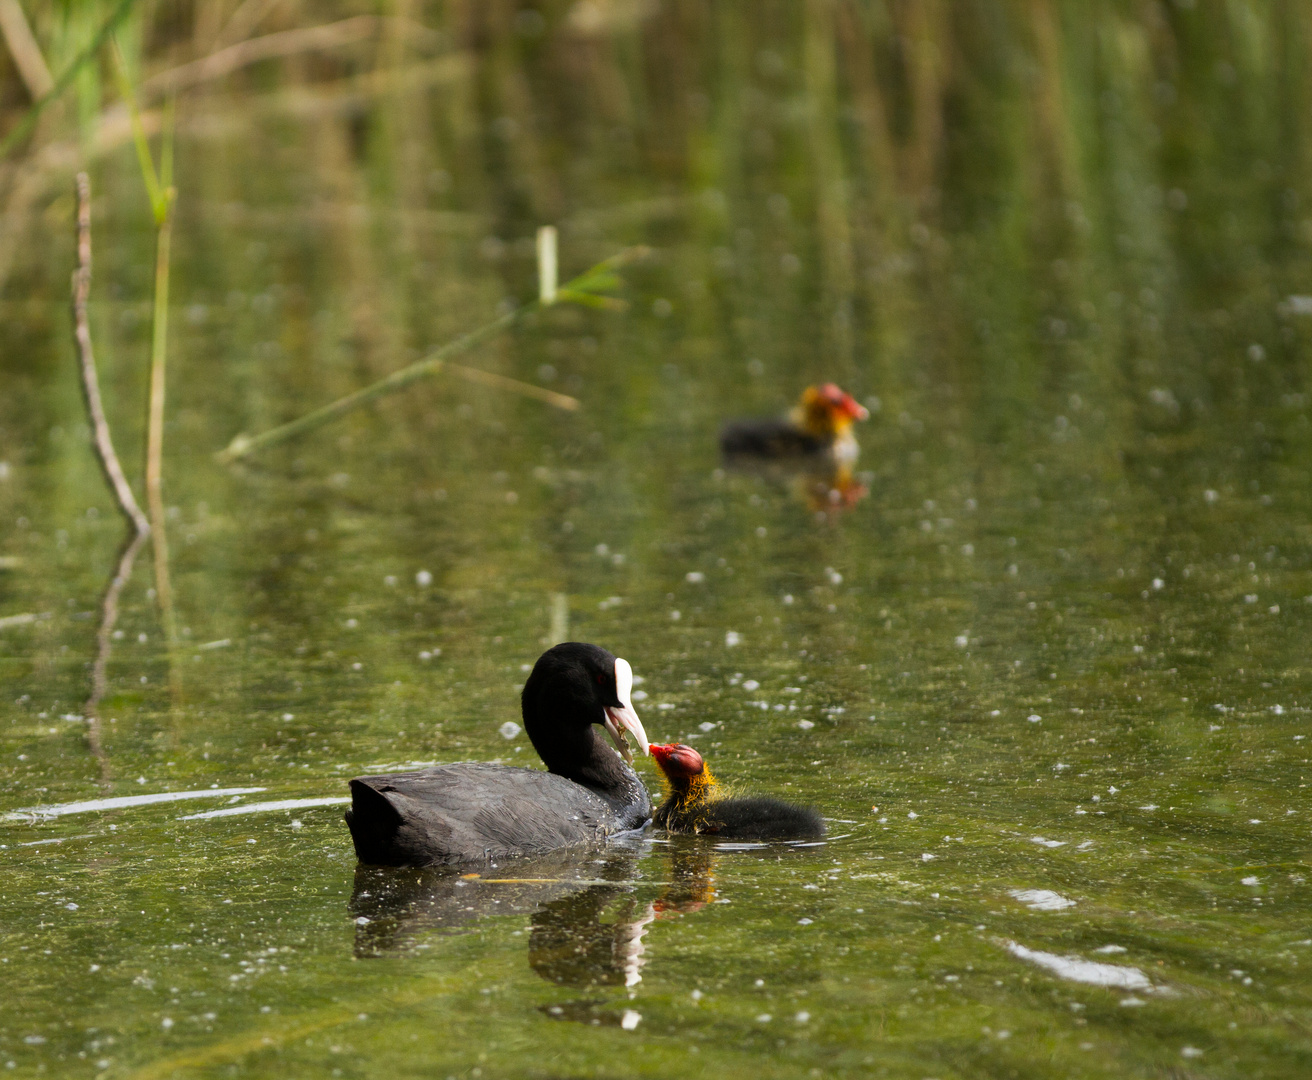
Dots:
{"x": 475, "y": 812}
{"x": 693, "y": 805}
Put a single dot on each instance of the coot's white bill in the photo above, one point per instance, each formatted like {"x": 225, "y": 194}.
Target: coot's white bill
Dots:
{"x": 625, "y": 718}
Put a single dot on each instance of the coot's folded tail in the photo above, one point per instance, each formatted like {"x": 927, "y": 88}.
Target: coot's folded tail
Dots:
{"x": 374, "y": 823}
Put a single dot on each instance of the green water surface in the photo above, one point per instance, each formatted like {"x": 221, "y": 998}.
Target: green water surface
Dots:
{"x": 1048, "y": 680}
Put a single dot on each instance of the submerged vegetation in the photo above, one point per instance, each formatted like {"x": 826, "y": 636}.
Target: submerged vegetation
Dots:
{"x": 1047, "y": 681}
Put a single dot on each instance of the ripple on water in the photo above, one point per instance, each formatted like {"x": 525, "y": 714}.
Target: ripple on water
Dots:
{"x": 264, "y": 807}
{"x": 122, "y": 802}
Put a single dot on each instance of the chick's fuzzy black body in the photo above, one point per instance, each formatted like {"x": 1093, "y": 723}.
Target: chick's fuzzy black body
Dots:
{"x": 474, "y": 812}
{"x": 770, "y": 438}
{"x": 744, "y": 817}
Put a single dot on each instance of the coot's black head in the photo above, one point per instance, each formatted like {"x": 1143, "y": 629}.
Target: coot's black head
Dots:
{"x": 573, "y": 686}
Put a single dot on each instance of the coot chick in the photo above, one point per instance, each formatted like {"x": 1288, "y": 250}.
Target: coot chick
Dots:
{"x": 693, "y": 805}
{"x": 818, "y": 427}
{"x": 475, "y": 812}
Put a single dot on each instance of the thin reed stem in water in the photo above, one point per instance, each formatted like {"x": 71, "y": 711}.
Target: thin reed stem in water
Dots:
{"x": 102, "y": 439}
{"x": 155, "y": 422}
{"x": 586, "y": 289}
{"x": 559, "y": 618}
{"x": 104, "y": 444}
{"x": 162, "y": 194}
{"x": 547, "y": 265}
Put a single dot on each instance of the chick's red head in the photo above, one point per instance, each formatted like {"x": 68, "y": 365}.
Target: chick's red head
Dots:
{"x": 841, "y": 402}
{"x": 677, "y": 761}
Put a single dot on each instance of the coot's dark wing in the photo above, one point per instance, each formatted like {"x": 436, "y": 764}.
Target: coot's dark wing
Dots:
{"x": 767, "y": 439}
{"x": 471, "y": 812}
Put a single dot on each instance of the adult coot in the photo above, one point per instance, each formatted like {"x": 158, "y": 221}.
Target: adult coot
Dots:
{"x": 475, "y": 812}
{"x": 818, "y": 427}
{"x": 694, "y": 805}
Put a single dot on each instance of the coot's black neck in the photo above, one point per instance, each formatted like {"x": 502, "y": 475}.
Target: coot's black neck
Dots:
{"x": 579, "y": 752}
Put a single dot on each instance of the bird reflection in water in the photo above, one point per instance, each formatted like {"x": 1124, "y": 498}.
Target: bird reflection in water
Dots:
{"x": 587, "y": 917}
